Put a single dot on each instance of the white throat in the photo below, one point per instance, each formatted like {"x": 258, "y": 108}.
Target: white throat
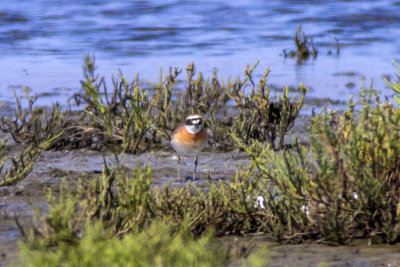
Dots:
{"x": 193, "y": 129}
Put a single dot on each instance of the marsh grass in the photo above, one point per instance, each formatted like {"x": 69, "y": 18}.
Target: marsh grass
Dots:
{"x": 130, "y": 118}
{"x": 260, "y": 117}
{"x": 157, "y": 245}
{"x": 21, "y": 163}
{"x": 122, "y": 201}
{"x": 27, "y": 127}
{"x": 34, "y": 124}
{"x": 136, "y": 120}
{"x": 126, "y": 211}
{"x": 395, "y": 86}
{"x": 344, "y": 186}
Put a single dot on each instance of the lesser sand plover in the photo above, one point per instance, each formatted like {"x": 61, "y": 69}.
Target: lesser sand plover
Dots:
{"x": 189, "y": 139}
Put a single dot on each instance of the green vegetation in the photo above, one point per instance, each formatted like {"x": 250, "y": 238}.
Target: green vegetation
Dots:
{"x": 305, "y": 47}
{"x": 157, "y": 245}
{"x": 260, "y": 118}
{"x": 21, "y": 163}
{"x": 133, "y": 119}
{"x": 342, "y": 185}
{"x": 35, "y": 124}
{"x": 121, "y": 205}
{"x": 395, "y": 86}
{"x": 345, "y": 185}
{"x": 34, "y": 127}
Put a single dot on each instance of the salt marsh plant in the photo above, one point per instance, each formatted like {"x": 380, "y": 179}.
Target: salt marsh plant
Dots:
{"x": 137, "y": 119}
{"x": 134, "y": 119}
{"x": 21, "y": 163}
{"x": 259, "y": 116}
{"x": 121, "y": 205}
{"x": 123, "y": 117}
{"x": 344, "y": 186}
{"x": 34, "y": 124}
{"x": 305, "y": 46}
{"x": 395, "y": 86}
{"x": 157, "y": 245}
{"x": 123, "y": 202}
{"x": 35, "y": 129}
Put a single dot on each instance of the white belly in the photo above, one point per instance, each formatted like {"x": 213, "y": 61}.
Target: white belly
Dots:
{"x": 184, "y": 149}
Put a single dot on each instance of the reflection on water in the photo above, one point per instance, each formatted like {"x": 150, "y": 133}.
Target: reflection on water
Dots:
{"x": 43, "y": 41}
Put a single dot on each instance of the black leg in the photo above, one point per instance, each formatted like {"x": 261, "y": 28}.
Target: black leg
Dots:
{"x": 195, "y": 167}
{"x": 179, "y": 168}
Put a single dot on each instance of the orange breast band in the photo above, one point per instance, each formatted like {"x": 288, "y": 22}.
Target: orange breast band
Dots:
{"x": 184, "y": 136}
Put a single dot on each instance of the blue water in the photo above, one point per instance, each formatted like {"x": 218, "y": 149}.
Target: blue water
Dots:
{"x": 42, "y": 42}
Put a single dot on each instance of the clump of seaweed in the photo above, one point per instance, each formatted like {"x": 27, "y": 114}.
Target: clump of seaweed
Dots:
{"x": 305, "y": 47}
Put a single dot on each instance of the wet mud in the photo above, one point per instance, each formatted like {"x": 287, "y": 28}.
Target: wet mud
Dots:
{"x": 360, "y": 254}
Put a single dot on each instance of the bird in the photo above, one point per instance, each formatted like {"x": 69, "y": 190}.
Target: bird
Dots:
{"x": 189, "y": 139}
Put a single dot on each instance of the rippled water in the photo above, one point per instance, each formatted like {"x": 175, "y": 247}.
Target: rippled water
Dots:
{"x": 42, "y": 42}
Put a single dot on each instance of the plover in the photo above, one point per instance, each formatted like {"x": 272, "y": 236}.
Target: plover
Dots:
{"x": 189, "y": 139}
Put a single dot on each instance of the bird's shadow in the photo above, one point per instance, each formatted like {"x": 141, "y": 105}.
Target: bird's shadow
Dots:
{"x": 190, "y": 179}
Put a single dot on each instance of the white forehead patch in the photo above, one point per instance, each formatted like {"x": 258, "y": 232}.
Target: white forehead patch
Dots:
{"x": 194, "y": 117}
{"x": 196, "y": 121}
